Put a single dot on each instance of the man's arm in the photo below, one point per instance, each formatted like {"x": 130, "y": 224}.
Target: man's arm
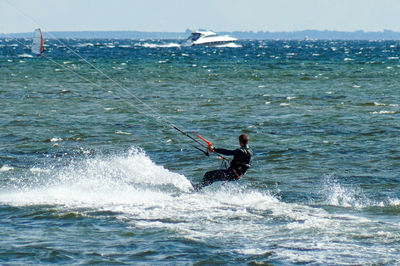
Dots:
{"x": 225, "y": 152}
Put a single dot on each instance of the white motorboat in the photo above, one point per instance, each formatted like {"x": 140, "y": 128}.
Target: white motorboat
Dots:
{"x": 210, "y": 38}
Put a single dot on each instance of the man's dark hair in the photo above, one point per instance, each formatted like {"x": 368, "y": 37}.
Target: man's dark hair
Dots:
{"x": 244, "y": 139}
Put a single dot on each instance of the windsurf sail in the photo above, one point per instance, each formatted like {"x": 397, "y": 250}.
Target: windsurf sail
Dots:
{"x": 38, "y": 42}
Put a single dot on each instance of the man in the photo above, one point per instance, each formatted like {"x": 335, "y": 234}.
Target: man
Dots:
{"x": 239, "y": 164}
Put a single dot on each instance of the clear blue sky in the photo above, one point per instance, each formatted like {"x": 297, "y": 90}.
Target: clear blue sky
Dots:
{"x": 218, "y": 15}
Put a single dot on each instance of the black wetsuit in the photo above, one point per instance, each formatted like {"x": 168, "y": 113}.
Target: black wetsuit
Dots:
{"x": 239, "y": 165}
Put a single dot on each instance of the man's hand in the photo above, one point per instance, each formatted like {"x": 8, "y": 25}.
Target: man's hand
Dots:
{"x": 210, "y": 149}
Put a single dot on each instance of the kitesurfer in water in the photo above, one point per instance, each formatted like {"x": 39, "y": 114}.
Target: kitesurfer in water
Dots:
{"x": 238, "y": 166}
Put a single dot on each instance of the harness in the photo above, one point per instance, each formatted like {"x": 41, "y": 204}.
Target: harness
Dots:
{"x": 237, "y": 175}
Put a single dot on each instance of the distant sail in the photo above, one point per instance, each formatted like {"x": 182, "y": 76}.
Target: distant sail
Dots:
{"x": 38, "y": 42}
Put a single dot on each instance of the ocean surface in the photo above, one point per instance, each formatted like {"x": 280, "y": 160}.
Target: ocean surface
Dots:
{"x": 91, "y": 170}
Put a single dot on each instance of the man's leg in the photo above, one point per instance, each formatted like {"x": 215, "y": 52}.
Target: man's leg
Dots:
{"x": 213, "y": 176}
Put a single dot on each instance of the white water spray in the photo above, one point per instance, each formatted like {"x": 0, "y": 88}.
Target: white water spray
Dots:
{"x": 96, "y": 182}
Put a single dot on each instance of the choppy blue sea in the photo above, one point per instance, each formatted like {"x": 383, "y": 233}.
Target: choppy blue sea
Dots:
{"x": 92, "y": 172}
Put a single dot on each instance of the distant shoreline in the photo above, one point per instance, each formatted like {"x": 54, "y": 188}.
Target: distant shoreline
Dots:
{"x": 241, "y": 35}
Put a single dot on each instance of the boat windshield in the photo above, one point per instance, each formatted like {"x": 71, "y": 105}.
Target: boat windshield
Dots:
{"x": 195, "y": 36}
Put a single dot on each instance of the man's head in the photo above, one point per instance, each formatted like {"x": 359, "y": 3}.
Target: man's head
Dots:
{"x": 243, "y": 140}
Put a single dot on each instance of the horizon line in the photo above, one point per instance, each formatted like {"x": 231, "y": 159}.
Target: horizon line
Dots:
{"x": 221, "y": 31}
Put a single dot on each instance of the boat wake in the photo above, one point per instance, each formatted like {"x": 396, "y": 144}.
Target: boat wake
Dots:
{"x": 158, "y": 45}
